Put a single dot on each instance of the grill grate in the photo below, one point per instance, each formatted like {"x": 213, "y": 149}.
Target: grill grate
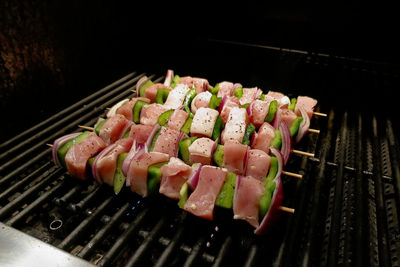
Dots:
{"x": 347, "y": 204}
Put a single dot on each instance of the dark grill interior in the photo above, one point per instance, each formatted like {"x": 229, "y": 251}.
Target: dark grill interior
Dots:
{"x": 347, "y": 203}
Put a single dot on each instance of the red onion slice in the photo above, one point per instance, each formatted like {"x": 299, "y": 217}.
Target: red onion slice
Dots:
{"x": 272, "y": 216}
{"x": 194, "y": 176}
{"x": 95, "y": 171}
{"x": 221, "y": 106}
{"x": 140, "y": 83}
{"x": 127, "y": 162}
{"x": 304, "y": 125}
{"x": 153, "y": 132}
{"x": 277, "y": 119}
{"x": 286, "y": 141}
{"x": 168, "y": 77}
{"x": 58, "y": 143}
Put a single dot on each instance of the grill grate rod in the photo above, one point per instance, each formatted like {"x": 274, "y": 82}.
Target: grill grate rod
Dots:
{"x": 100, "y": 235}
{"x": 379, "y": 199}
{"x": 10, "y": 190}
{"x": 84, "y": 225}
{"x": 64, "y": 121}
{"x": 147, "y": 243}
{"x": 337, "y": 206}
{"x": 35, "y": 204}
{"x": 47, "y": 178}
{"x": 67, "y": 110}
{"x": 123, "y": 239}
{"x": 169, "y": 250}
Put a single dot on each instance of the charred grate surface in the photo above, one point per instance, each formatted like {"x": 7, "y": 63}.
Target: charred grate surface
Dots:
{"x": 347, "y": 204}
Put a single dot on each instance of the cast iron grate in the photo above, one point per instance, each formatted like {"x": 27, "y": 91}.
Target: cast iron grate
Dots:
{"x": 346, "y": 205}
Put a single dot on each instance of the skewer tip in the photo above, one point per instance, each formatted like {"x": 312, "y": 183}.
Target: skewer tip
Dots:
{"x": 286, "y": 209}
{"x": 86, "y": 127}
{"x": 291, "y": 174}
{"x": 320, "y": 114}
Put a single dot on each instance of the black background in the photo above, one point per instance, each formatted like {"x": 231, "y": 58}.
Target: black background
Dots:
{"x": 53, "y": 53}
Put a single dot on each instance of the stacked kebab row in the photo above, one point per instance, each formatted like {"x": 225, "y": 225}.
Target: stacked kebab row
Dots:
{"x": 203, "y": 146}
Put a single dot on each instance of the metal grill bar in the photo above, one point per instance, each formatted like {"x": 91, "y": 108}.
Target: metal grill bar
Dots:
{"x": 94, "y": 242}
{"x": 56, "y": 117}
{"x": 84, "y": 225}
{"x": 35, "y": 204}
{"x": 123, "y": 239}
{"x": 144, "y": 247}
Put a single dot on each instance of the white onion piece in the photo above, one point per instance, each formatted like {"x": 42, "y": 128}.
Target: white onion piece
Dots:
{"x": 95, "y": 171}
{"x": 168, "y": 77}
{"x": 140, "y": 83}
{"x": 114, "y": 108}
{"x": 284, "y": 102}
{"x": 58, "y": 143}
{"x": 304, "y": 125}
{"x": 127, "y": 161}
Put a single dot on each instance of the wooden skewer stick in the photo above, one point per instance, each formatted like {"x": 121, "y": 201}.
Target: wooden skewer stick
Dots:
{"x": 302, "y": 153}
{"x": 286, "y": 209}
{"x": 320, "y": 114}
{"x": 291, "y": 174}
{"x": 86, "y": 127}
{"x": 314, "y": 131}
{"x": 282, "y": 208}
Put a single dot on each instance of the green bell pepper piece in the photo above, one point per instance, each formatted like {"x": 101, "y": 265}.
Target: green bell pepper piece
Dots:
{"x": 262, "y": 97}
{"x": 142, "y": 89}
{"x": 266, "y": 198}
{"x": 119, "y": 177}
{"x": 218, "y": 156}
{"x": 137, "y": 108}
{"x": 183, "y": 147}
{"x": 292, "y": 105}
{"x": 218, "y": 127}
{"x": 269, "y": 185}
{"x": 246, "y": 105}
{"x": 162, "y": 95}
{"x": 225, "y": 197}
{"x": 186, "y": 126}
{"x": 215, "y": 102}
{"x": 164, "y": 117}
{"x": 154, "y": 176}
{"x": 175, "y": 81}
{"x": 294, "y": 127}
{"x": 189, "y": 97}
{"x": 62, "y": 151}
{"x": 277, "y": 141}
{"x": 273, "y": 107}
{"x": 215, "y": 89}
{"x": 98, "y": 127}
{"x": 273, "y": 169}
{"x": 250, "y": 129}
{"x": 238, "y": 92}
{"x": 183, "y": 195}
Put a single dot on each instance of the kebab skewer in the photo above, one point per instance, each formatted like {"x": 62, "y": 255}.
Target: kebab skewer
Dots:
{"x": 112, "y": 149}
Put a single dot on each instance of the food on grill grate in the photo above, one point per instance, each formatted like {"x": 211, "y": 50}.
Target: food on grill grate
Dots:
{"x": 144, "y": 155}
